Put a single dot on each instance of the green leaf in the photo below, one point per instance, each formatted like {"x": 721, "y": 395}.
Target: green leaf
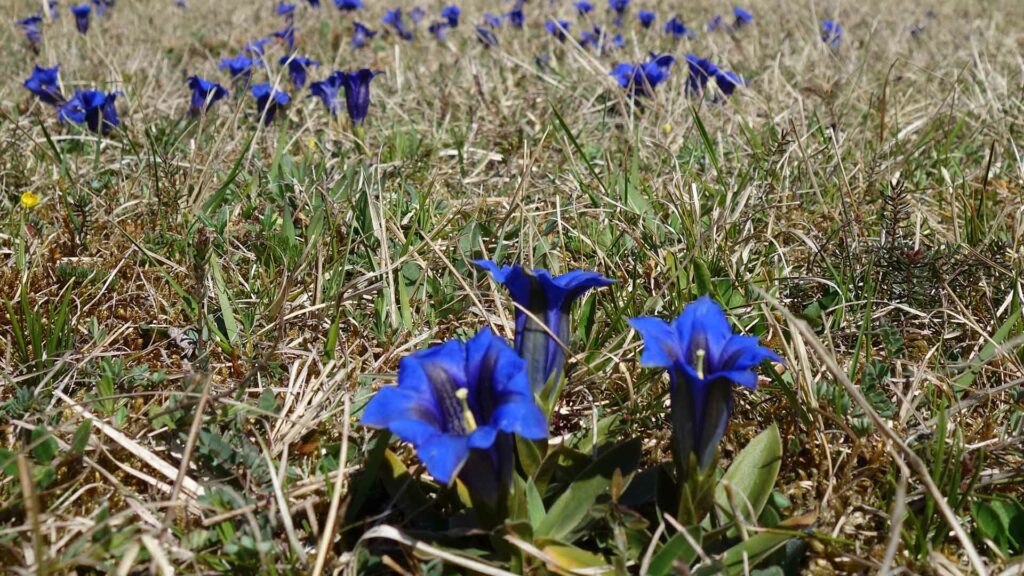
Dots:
{"x": 566, "y": 557}
{"x": 747, "y": 553}
{"x": 987, "y": 352}
{"x": 529, "y": 455}
{"x": 574, "y": 504}
{"x": 677, "y": 548}
{"x": 751, "y": 476}
{"x": 44, "y": 446}
{"x": 534, "y": 504}
{"x": 8, "y": 462}
{"x": 224, "y": 300}
{"x": 81, "y": 438}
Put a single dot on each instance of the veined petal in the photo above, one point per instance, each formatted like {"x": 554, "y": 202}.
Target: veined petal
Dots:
{"x": 661, "y": 342}
{"x": 444, "y": 455}
{"x": 483, "y": 437}
{"x": 702, "y": 326}
{"x": 743, "y": 353}
{"x": 393, "y": 404}
{"x": 521, "y": 417}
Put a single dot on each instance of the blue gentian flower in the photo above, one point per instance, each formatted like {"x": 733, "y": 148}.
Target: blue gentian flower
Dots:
{"x": 298, "y": 67}
{"x": 543, "y": 61}
{"x": 642, "y": 79}
{"x": 393, "y": 18}
{"x": 539, "y": 296}
{"x": 269, "y": 101}
{"x": 618, "y": 42}
{"x": 459, "y": 405}
{"x": 287, "y": 36}
{"x": 93, "y": 107}
{"x": 515, "y": 17}
{"x": 348, "y": 5}
{"x": 204, "y": 94}
{"x": 327, "y": 91}
{"x": 287, "y": 10}
{"x": 357, "y": 93}
{"x": 704, "y": 359}
{"x": 831, "y": 33}
{"x": 314, "y": 3}
{"x": 362, "y": 35}
{"x": 492, "y": 20}
{"x": 619, "y": 7}
{"x": 240, "y": 68}
{"x": 439, "y": 29}
{"x": 646, "y": 18}
{"x": 583, "y": 7}
{"x": 51, "y": 7}
{"x": 557, "y": 28}
{"x": 715, "y": 23}
{"x": 81, "y": 12}
{"x": 416, "y": 15}
{"x": 451, "y": 14}
{"x": 486, "y": 37}
{"x": 30, "y": 26}
{"x": 257, "y": 47}
{"x": 102, "y": 6}
{"x": 677, "y": 28}
{"x": 701, "y": 70}
{"x": 742, "y": 17}
{"x": 591, "y": 38}
{"x": 45, "y": 84}
{"x": 728, "y": 81}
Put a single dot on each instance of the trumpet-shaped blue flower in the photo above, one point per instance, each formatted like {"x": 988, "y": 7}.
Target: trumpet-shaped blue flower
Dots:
{"x": 416, "y": 15}
{"x": 298, "y": 68}
{"x": 286, "y": 10}
{"x": 361, "y": 35}
{"x": 269, "y": 101}
{"x": 728, "y": 81}
{"x": 590, "y": 38}
{"x": 287, "y": 36}
{"x": 831, "y": 33}
{"x": 81, "y": 13}
{"x": 677, "y": 28}
{"x": 394, "y": 19}
{"x": 543, "y": 303}
{"x": 204, "y": 94}
{"x": 618, "y": 6}
{"x": 45, "y": 84}
{"x": 492, "y": 20}
{"x": 451, "y": 13}
{"x": 102, "y": 6}
{"x": 458, "y": 400}
{"x": 240, "y": 68}
{"x": 348, "y": 5}
{"x": 646, "y": 18}
{"x": 327, "y": 91}
{"x": 439, "y": 30}
{"x": 704, "y": 359}
{"x": 557, "y": 28}
{"x": 357, "y": 93}
{"x": 583, "y": 7}
{"x": 314, "y": 3}
{"x": 515, "y": 17}
{"x": 741, "y": 17}
{"x": 701, "y": 70}
{"x": 642, "y": 79}
{"x": 257, "y": 48}
{"x": 486, "y": 36}
{"x": 93, "y": 107}
{"x": 30, "y": 26}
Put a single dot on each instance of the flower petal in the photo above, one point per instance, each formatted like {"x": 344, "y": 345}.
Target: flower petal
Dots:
{"x": 661, "y": 343}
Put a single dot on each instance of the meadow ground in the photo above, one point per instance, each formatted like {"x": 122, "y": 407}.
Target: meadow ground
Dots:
{"x": 198, "y": 310}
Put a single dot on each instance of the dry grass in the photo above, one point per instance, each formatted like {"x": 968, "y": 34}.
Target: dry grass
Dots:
{"x": 861, "y": 211}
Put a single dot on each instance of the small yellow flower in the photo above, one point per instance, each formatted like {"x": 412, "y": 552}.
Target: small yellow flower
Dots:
{"x": 30, "y": 200}
{"x": 667, "y": 128}
{"x": 311, "y": 144}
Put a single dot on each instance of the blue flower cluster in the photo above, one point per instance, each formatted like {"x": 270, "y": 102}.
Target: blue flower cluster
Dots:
{"x": 460, "y": 403}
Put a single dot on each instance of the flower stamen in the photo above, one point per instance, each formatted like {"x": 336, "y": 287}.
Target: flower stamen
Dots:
{"x": 699, "y": 362}
{"x": 467, "y": 415}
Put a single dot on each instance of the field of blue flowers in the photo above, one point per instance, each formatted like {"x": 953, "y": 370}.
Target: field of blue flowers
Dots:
{"x": 512, "y": 287}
